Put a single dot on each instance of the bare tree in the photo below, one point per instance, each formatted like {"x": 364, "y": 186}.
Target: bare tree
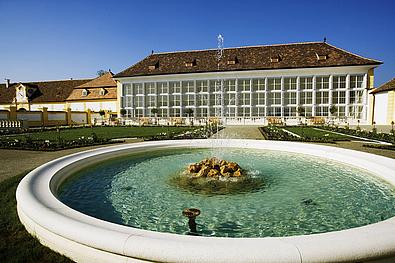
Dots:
{"x": 101, "y": 72}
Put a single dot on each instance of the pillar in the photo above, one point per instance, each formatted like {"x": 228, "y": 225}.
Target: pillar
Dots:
{"x": 13, "y": 114}
{"x": 68, "y": 117}
{"x": 44, "y": 116}
{"x": 89, "y": 117}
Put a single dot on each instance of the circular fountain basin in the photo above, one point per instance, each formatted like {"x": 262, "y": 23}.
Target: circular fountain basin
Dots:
{"x": 88, "y": 239}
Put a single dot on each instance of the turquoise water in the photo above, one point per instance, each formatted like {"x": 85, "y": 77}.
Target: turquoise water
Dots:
{"x": 302, "y": 194}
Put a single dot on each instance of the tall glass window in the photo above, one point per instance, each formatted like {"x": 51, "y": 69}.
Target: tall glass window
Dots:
{"x": 306, "y": 97}
{"x": 258, "y": 85}
{"x": 175, "y": 87}
{"x": 322, "y": 97}
{"x": 356, "y": 81}
{"x": 202, "y": 86}
{"x": 290, "y": 98}
{"x": 127, "y": 89}
{"x": 245, "y": 99}
{"x": 163, "y": 87}
{"x": 203, "y": 99}
{"x": 306, "y": 83}
{"x": 150, "y": 88}
{"x": 138, "y": 89}
{"x": 151, "y": 101}
{"x": 322, "y": 82}
{"x": 244, "y": 85}
{"x": 188, "y": 87}
{"x": 163, "y": 101}
{"x": 139, "y": 101}
{"x": 274, "y": 83}
{"x": 290, "y": 83}
{"x": 230, "y": 85}
{"x": 245, "y": 112}
{"x": 230, "y": 99}
{"x": 176, "y": 99}
{"x": 339, "y": 82}
{"x": 275, "y": 98}
{"x": 175, "y": 112}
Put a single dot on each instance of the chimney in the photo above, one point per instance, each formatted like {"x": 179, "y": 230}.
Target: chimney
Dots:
{"x": 7, "y": 83}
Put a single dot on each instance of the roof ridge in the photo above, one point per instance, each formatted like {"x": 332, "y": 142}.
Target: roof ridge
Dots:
{"x": 379, "y": 61}
{"x": 31, "y": 82}
{"x": 240, "y": 47}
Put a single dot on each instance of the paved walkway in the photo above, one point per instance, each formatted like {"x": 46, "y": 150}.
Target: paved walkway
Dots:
{"x": 240, "y": 132}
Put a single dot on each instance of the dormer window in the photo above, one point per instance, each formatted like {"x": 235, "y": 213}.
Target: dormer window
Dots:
{"x": 154, "y": 66}
{"x": 321, "y": 57}
{"x": 275, "y": 59}
{"x": 102, "y": 92}
{"x": 233, "y": 61}
{"x": 84, "y": 93}
{"x": 190, "y": 63}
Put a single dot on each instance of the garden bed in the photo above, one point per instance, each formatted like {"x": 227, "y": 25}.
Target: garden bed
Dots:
{"x": 373, "y": 134}
{"x": 277, "y": 133}
{"x": 57, "y": 139}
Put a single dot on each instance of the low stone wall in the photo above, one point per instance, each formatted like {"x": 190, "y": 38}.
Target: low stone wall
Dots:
{"x": 47, "y": 118}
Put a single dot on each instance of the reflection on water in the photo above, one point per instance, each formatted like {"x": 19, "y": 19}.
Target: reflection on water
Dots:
{"x": 301, "y": 195}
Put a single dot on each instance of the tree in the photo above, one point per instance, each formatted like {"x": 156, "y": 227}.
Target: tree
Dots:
{"x": 301, "y": 111}
{"x": 123, "y": 112}
{"x": 189, "y": 112}
{"x": 101, "y": 72}
{"x": 333, "y": 110}
{"x": 155, "y": 112}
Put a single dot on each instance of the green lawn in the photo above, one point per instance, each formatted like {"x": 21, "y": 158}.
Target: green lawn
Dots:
{"x": 103, "y": 132}
{"x": 310, "y": 132}
{"x": 16, "y": 245}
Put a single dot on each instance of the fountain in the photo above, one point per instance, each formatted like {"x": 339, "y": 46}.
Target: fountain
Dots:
{"x": 71, "y": 203}
{"x": 191, "y": 213}
{"x": 213, "y": 176}
{"x": 273, "y": 202}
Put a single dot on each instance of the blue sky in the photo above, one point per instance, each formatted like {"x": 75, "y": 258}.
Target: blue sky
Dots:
{"x": 48, "y": 40}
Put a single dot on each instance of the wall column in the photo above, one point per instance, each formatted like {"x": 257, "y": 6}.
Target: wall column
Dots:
{"x": 89, "y": 117}
{"x": 68, "y": 117}
{"x": 44, "y": 115}
{"x": 12, "y": 115}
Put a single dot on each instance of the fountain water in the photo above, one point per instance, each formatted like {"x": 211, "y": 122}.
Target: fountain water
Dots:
{"x": 219, "y": 85}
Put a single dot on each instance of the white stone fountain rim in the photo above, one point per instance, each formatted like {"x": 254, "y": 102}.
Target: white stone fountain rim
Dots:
{"x": 84, "y": 238}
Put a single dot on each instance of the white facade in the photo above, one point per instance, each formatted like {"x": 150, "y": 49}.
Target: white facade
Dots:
{"x": 380, "y": 108}
{"x": 250, "y": 94}
{"x": 95, "y": 106}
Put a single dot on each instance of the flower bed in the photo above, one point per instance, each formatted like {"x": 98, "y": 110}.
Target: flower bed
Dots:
{"x": 276, "y": 133}
{"x": 198, "y": 133}
{"x": 50, "y": 145}
{"x": 380, "y": 146}
{"x": 374, "y": 135}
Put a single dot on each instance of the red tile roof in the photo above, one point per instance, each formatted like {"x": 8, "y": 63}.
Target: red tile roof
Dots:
{"x": 46, "y": 91}
{"x": 93, "y": 88}
{"x": 104, "y": 80}
{"x": 285, "y": 56}
{"x": 390, "y": 85}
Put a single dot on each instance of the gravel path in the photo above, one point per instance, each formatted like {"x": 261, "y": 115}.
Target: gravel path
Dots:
{"x": 240, "y": 132}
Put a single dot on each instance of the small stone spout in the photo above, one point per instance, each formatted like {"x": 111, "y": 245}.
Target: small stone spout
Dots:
{"x": 191, "y": 213}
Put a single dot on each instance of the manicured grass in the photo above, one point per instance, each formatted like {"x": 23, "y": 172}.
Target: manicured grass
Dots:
{"x": 310, "y": 133}
{"x": 103, "y": 132}
{"x": 16, "y": 245}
